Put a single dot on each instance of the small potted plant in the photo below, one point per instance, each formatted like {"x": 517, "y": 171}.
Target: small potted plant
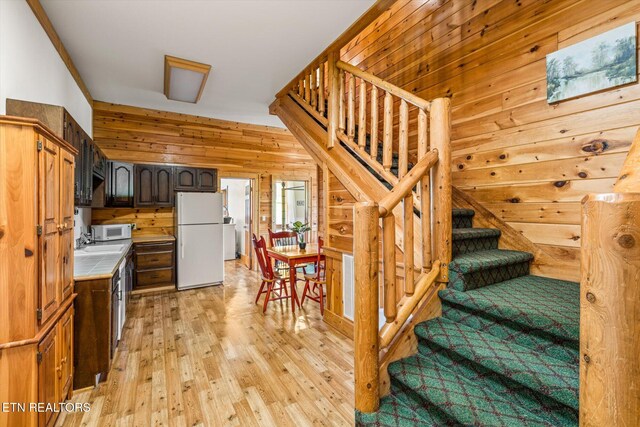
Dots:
{"x": 300, "y": 229}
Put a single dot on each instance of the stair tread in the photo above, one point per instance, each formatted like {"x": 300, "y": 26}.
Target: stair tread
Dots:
{"x": 548, "y": 305}
{"x": 482, "y": 260}
{"x": 459, "y": 398}
{"x": 462, "y": 212}
{"x": 543, "y": 374}
{"x": 474, "y": 233}
{"x": 394, "y": 413}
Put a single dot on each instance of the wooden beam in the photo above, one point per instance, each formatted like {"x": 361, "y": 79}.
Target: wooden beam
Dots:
{"x": 42, "y": 17}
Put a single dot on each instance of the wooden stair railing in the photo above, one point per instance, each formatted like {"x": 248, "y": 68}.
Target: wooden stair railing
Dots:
{"x": 358, "y": 109}
{"x": 610, "y": 301}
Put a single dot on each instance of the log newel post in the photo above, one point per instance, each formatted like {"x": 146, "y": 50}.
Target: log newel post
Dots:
{"x": 367, "y": 382}
{"x": 440, "y": 138}
{"x": 610, "y": 310}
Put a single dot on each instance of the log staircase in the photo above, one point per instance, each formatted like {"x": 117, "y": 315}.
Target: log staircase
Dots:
{"x": 496, "y": 346}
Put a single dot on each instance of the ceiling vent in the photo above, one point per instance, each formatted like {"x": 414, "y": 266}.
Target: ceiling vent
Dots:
{"x": 184, "y": 80}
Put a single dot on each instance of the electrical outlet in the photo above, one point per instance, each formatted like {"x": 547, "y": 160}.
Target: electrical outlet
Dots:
{"x": 133, "y": 225}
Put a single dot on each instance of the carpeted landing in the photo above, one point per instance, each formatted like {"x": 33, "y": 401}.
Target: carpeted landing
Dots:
{"x": 504, "y": 352}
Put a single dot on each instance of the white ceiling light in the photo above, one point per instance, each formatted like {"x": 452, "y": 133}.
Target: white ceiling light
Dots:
{"x": 184, "y": 80}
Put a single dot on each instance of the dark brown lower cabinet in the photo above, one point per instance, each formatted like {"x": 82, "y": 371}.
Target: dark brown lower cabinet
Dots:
{"x": 154, "y": 264}
{"x": 93, "y": 331}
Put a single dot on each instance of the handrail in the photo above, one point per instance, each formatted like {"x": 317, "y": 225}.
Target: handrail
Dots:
{"x": 386, "y": 86}
{"x": 406, "y": 184}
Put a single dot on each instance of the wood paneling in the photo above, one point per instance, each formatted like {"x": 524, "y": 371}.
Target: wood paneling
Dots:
{"x": 529, "y": 162}
{"x": 150, "y": 136}
{"x": 148, "y": 221}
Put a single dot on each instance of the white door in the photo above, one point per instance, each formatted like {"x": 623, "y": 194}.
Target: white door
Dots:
{"x": 199, "y": 208}
{"x": 200, "y": 255}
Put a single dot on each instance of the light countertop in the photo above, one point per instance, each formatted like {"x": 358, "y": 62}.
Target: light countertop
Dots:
{"x": 99, "y": 260}
{"x": 151, "y": 239}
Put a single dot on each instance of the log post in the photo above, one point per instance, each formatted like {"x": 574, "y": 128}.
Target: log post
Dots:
{"x": 425, "y": 191}
{"x": 387, "y": 138}
{"x": 351, "y": 108}
{"x": 389, "y": 267}
{"x": 610, "y": 310}
{"x": 373, "y": 150}
{"x": 440, "y": 139}
{"x": 334, "y": 101}
{"x": 366, "y": 373}
{"x": 362, "y": 115}
{"x": 321, "y": 89}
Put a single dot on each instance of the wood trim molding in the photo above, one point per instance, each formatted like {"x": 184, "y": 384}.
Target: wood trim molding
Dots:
{"x": 46, "y": 24}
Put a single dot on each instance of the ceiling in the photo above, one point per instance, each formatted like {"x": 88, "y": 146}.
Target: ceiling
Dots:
{"x": 254, "y": 47}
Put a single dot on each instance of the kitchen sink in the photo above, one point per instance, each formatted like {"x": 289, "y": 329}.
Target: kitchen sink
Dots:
{"x": 99, "y": 250}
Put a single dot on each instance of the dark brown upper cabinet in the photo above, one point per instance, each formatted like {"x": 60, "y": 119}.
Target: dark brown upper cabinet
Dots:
{"x": 163, "y": 177}
{"x": 186, "y": 179}
{"x": 153, "y": 186}
{"x": 119, "y": 185}
{"x": 99, "y": 163}
{"x": 196, "y": 179}
{"x": 207, "y": 180}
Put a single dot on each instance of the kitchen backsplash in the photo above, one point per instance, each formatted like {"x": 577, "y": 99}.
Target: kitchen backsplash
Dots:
{"x": 81, "y": 222}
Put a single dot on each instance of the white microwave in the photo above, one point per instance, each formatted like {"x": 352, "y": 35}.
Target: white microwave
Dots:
{"x": 103, "y": 233}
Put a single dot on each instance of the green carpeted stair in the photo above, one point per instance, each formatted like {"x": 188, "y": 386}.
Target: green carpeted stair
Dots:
{"x": 504, "y": 352}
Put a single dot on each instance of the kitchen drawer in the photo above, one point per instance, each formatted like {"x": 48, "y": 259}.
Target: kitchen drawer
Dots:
{"x": 142, "y": 248}
{"x": 154, "y": 277}
{"x": 152, "y": 260}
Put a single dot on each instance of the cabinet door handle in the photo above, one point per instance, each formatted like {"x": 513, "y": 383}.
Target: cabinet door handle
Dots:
{"x": 59, "y": 371}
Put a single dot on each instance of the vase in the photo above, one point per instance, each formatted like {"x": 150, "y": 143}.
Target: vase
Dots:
{"x": 302, "y": 245}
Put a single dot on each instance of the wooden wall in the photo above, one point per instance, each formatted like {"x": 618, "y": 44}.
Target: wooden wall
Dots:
{"x": 528, "y": 162}
{"x": 139, "y": 135}
{"x": 149, "y": 221}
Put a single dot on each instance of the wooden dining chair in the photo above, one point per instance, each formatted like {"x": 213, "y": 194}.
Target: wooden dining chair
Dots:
{"x": 282, "y": 238}
{"x": 273, "y": 284}
{"x": 286, "y": 238}
{"x": 314, "y": 284}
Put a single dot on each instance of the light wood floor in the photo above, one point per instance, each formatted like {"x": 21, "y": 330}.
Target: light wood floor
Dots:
{"x": 209, "y": 357}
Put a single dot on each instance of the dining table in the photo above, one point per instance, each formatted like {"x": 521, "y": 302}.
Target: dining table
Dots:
{"x": 293, "y": 256}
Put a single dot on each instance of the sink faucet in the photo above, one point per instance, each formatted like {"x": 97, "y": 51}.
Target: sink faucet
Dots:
{"x": 83, "y": 240}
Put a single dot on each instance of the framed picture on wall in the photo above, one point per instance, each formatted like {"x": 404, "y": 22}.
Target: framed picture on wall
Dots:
{"x": 601, "y": 62}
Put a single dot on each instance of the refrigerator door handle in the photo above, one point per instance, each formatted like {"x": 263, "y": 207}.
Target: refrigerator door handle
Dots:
{"x": 182, "y": 246}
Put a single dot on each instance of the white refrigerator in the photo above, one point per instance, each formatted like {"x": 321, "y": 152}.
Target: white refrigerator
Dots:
{"x": 200, "y": 239}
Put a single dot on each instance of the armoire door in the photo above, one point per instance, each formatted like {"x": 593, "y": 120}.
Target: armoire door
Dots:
{"x": 66, "y": 353}
{"x": 163, "y": 185}
{"x": 49, "y": 289}
{"x": 67, "y": 168}
{"x": 143, "y": 179}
